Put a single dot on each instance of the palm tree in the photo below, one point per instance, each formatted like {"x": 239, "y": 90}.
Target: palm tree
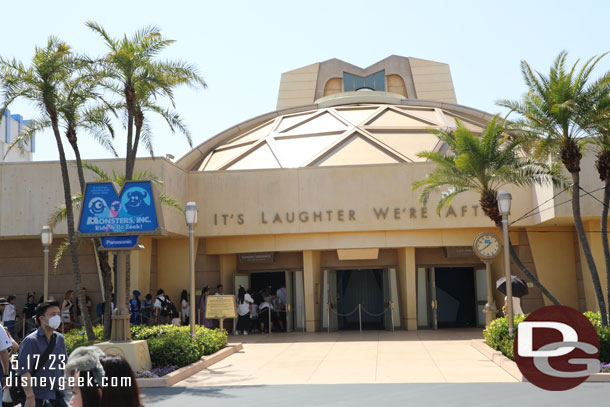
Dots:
{"x": 134, "y": 72}
{"x": 59, "y": 215}
{"x": 558, "y": 111}
{"x": 483, "y": 164}
{"x": 41, "y": 83}
{"x": 78, "y": 111}
{"x": 600, "y": 129}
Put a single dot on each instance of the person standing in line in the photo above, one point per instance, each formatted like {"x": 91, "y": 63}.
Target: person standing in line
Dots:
{"x": 5, "y": 345}
{"x": 10, "y": 315}
{"x": 29, "y": 310}
{"x": 135, "y": 306}
{"x": 146, "y": 309}
{"x": 243, "y": 311}
{"x": 205, "y": 291}
{"x": 186, "y": 308}
{"x": 220, "y": 290}
{"x": 88, "y": 305}
{"x": 281, "y": 296}
{"x": 67, "y": 310}
{"x": 161, "y": 308}
{"x": 44, "y": 392}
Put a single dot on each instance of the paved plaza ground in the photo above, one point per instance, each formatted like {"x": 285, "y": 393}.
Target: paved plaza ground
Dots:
{"x": 422, "y": 368}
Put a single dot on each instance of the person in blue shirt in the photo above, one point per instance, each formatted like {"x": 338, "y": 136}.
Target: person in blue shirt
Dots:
{"x": 37, "y": 392}
{"x": 134, "y": 308}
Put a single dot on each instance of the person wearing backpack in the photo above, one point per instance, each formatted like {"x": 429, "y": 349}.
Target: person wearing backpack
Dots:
{"x": 162, "y": 309}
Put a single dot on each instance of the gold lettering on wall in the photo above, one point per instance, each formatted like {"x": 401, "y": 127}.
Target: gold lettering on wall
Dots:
{"x": 342, "y": 215}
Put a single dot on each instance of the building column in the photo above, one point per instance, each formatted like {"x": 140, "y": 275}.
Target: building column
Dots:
{"x": 311, "y": 282}
{"x": 407, "y": 282}
{"x": 228, "y": 269}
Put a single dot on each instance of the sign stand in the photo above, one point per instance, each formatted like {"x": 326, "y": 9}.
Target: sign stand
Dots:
{"x": 118, "y": 219}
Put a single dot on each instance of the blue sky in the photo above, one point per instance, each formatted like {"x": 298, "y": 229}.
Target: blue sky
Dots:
{"x": 242, "y": 47}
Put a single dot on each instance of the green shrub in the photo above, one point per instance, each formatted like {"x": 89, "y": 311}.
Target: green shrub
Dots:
{"x": 496, "y": 335}
{"x": 604, "y": 335}
{"x": 167, "y": 344}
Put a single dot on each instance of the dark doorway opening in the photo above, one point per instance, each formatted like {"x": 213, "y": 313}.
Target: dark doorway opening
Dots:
{"x": 260, "y": 281}
{"x": 363, "y": 287}
{"x": 455, "y": 296}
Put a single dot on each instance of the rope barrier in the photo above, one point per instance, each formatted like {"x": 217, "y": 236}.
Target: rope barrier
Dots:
{"x": 344, "y": 315}
{"x": 375, "y": 315}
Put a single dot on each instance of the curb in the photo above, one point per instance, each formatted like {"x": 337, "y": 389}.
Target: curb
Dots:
{"x": 180, "y": 374}
{"x": 511, "y": 368}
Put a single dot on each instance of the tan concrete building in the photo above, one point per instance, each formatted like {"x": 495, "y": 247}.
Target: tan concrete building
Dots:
{"x": 317, "y": 195}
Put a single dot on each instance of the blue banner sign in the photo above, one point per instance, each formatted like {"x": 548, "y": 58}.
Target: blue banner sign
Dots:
{"x": 105, "y": 213}
{"x": 119, "y": 242}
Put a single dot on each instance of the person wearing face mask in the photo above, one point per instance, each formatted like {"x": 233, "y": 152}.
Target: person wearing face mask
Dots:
{"x": 41, "y": 342}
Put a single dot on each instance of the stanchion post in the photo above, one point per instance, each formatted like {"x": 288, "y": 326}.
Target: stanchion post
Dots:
{"x": 328, "y": 312}
{"x": 392, "y": 314}
{"x": 360, "y": 316}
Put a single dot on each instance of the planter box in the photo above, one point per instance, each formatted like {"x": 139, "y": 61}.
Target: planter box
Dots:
{"x": 511, "y": 367}
{"x": 180, "y": 374}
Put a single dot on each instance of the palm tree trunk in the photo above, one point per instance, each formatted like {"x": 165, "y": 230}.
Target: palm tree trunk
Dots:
{"x": 582, "y": 238}
{"x": 605, "y": 244}
{"x": 70, "y": 220}
{"x": 134, "y": 150}
{"x": 102, "y": 256}
{"x": 129, "y": 98}
{"x": 525, "y": 270}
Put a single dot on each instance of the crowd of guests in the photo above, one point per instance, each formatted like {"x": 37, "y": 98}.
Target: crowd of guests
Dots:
{"x": 261, "y": 311}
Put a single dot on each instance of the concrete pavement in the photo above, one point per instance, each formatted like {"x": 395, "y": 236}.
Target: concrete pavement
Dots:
{"x": 443, "y": 356}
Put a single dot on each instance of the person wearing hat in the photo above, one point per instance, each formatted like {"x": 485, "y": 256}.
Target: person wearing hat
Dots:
{"x": 134, "y": 308}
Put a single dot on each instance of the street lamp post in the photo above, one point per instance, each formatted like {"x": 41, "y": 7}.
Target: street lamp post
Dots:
{"x": 504, "y": 200}
{"x": 46, "y": 237}
{"x": 190, "y": 214}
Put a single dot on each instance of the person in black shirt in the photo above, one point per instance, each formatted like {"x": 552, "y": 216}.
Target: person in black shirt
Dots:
{"x": 29, "y": 310}
{"x": 88, "y": 304}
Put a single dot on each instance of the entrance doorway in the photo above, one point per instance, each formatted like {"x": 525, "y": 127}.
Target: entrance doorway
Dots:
{"x": 294, "y": 315}
{"x": 452, "y": 297}
{"x": 367, "y": 296}
{"x": 364, "y": 288}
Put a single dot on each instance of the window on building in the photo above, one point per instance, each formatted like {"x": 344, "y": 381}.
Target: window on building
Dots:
{"x": 353, "y": 83}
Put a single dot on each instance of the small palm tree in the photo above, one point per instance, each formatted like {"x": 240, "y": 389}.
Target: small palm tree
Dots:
{"x": 484, "y": 164}
{"x": 558, "y": 111}
{"x": 41, "y": 83}
{"x": 134, "y": 72}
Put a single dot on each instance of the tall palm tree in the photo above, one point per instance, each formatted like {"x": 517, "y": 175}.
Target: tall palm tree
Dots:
{"x": 41, "y": 83}
{"x": 600, "y": 129}
{"x": 557, "y": 109}
{"x": 483, "y": 164}
{"x": 135, "y": 73}
{"x": 81, "y": 107}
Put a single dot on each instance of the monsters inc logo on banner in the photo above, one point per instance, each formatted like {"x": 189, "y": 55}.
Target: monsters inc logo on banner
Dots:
{"x": 133, "y": 211}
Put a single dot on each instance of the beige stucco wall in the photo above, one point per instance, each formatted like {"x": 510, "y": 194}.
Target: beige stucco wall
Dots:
{"x": 561, "y": 261}
{"x": 594, "y": 237}
{"x": 298, "y": 87}
{"x": 173, "y": 266}
{"x": 432, "y": 80}
{"x": 30, "y": 192}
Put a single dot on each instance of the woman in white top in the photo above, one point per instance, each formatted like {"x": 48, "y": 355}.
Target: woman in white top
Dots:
{"x": 243, "y": 311}
{"x": 186, "y": 308}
